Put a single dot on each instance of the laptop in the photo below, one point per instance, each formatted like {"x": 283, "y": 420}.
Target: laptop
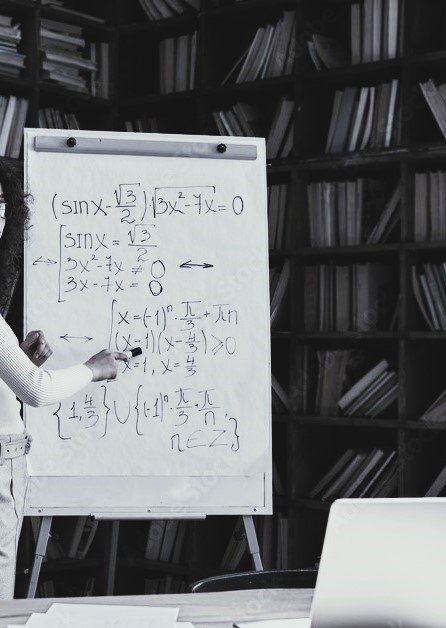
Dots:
{"x": 383, "y": 565}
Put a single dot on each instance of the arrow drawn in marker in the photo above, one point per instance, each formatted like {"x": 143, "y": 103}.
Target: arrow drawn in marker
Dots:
{"x": 189, "y": 264}
{"x": 68, "y": 338}
{"x": 48, "y": 262}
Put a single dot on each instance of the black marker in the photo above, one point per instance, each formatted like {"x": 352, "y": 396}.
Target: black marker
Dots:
{"x": 133, "y": 352}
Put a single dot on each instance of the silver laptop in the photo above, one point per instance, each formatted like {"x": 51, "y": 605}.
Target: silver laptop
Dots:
{"x": 383, "y": 565}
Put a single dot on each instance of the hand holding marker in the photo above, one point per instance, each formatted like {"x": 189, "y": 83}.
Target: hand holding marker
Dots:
{"x": 103, "y": 364}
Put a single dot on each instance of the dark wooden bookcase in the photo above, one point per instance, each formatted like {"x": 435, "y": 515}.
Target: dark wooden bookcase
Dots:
{"x": 304, "y": 447}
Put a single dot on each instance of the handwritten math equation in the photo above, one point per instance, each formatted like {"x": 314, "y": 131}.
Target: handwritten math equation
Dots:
{"x": 175, "y": 338}
{"x": 191, "y": 418}
{"x": 125, "y": 254}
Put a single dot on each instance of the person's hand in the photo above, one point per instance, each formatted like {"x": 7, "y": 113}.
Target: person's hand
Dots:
{"x": 103, "y": 364}
{"x": 36, "y": 347}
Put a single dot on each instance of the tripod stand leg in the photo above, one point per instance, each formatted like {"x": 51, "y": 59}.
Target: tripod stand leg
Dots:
{"x": 253, "y": 544}
{"x": 41, "y": 545}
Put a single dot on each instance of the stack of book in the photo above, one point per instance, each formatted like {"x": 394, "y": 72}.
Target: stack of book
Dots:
{"x": 348, "y": 298}
{"x": 430, "y": 201}
{"x": 277, "y": 211}
{"x": 325, "y": 52}
{"x": 359, "y": 473}
{"x": 278, "y": 284}
{"x": 59, "y": 7}
{"x": 160, "y": 9}
{"x": 271, "y": 53}
{"x": 145, "y": 124}
{"x": 363, "y": 117}
{"x": 376, "y": 30}
{"x": 52, "y": 118}
{"x": 177, "y": 61}
{"x": 280, "y": 139}
{"x": 70, "y": 61}
{"x": 436, "y": 413}
{"x": 336, "y": 393}
{"x": 165, "y": 540}
{"x": 342, "y": 213}
{"x": 435, "y": 96}
{"x": 13, "y": 112}
{"x": 11, "y": 60}
{"x": 241, "y": 119}
{"x": 376, "y": 391}
{"x": 429, "y": 288}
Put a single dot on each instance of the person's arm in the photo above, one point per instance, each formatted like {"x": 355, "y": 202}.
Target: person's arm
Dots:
{"x": 33, "y": 385}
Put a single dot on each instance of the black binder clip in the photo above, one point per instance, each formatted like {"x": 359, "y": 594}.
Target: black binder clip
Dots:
{"x": 71, "y": 142}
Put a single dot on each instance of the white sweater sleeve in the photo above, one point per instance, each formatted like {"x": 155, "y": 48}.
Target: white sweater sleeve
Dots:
{"x": 33, "y": 385}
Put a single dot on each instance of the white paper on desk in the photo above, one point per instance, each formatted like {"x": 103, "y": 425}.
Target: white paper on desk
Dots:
{"x": 301, "y": 622}
{"x": 112, "y": 616}
{"x": 38, "y": 620}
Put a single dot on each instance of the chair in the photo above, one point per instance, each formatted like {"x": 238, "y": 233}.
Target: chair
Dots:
{"x": 270, "y": 579}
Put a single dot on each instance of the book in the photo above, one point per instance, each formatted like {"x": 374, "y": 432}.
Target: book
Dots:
{"x": 279, "y": 290}
{"x": 437, "y": 487}
{"x": 327, "y": 51}
{"x": 362, "y": 384}
{"x": 177, "y": 63}
{"x": 376, "y": 30}
{"x": 364, "y": 117}
{"x": 436, "y": 413}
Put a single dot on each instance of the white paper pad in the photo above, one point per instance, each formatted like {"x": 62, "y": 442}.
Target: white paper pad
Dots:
{"x": 302, "y": 622}
{"x": 99, "y": 615}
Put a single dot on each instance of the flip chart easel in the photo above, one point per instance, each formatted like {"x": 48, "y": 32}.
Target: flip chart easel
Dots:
{"x": 161, "y": 241}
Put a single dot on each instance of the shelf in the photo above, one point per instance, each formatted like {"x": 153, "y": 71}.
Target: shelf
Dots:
{"x": 312, "y": 504}
{"x": 354, "y": 159}
{"x": 66, "y": 564}
{"x": 279, "y": 166}
{"x": 426, "y": 335}
{"x": 426, "y": 246}
{"x": 359, "y": 422}
{"x": 158, "y": 99}
{"x": 424, "y": 426}
{"x": 17, "y": 6}
{"x": 347, "y": 335}
{"x": 281, "y": 418}
{"x": 281, "y": 335}
{"x": 19, "y": 86}
{"x": 360, "y": 249}
{"x": 247, "y": 6}
{"x": 437, "y": 57}
{"x": 75, "y": 98}
{"x": 90, "y": 26}
{"x": 360, "y": 70}
{"x": 283, "y": 252}
{"x": 177, "y": 22}
{"x": 252, "y": 87}
{"x": 164, "y": 567}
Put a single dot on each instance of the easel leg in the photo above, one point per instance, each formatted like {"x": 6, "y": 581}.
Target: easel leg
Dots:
{"x": 41, "y": 545}
{"x": 253, "y": 544}
{"x": 112, "y": 558}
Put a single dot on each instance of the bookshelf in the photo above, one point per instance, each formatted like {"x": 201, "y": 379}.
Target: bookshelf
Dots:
{"x": 304, "y": 446}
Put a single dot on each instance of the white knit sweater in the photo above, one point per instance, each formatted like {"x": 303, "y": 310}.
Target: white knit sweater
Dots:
{"x": 33, "y": 385}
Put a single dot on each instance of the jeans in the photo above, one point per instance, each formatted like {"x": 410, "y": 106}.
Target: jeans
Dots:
{"x": 13, "y": 483}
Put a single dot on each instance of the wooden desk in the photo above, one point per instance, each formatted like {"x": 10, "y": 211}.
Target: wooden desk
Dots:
{"x": 204, "y": 610}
